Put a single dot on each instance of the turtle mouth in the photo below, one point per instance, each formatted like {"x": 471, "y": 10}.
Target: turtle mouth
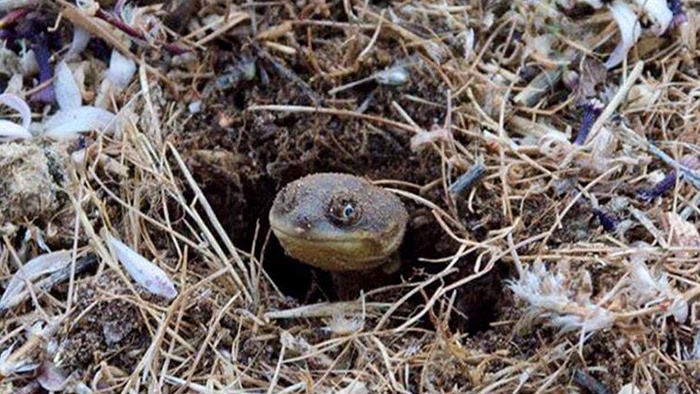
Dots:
{"x": 339, "y": 249}
{"x": 389, "y": 239}
{"x": 333, "y": 252}
{"x": 311, "y": 236}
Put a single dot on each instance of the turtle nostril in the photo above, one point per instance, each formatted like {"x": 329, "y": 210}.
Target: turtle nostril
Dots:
{"x": 304, "y": 223}
{"x": 302, "y": 227}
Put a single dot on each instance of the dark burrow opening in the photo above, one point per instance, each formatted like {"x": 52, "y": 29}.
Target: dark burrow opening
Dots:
{"x": 243, "y": 158}
{"x": 476, "y": 304}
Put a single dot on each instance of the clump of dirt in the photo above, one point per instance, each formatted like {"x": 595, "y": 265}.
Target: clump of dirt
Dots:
{"x": 103, "y": 328}
{"x": 30, "y": 180}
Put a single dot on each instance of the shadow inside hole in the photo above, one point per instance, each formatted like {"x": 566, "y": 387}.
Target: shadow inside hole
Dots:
{"x": 295, "y": 279}
{"x": 476, "y": 304}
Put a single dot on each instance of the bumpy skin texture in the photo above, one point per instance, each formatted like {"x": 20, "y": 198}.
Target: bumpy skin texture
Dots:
{"x": 338, "y": 222}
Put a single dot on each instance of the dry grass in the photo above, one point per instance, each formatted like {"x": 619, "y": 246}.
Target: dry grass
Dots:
{"x": 604, "y": 283}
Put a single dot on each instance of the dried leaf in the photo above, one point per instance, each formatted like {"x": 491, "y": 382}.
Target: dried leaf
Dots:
{"x": 51, "y": 378}
{"x": 683, "y": 233}
{"x": 67, "y": 90}
{"x": 121, "y": 70}
{"x": 659, "y": 13}
{"x": 78, "y": 120}
{"x": 81, "y": 37}
{"x": 144, "y": 272}
{"x": 10, "y": 129}
{"x": 10, "y": 366}
{"x": 38, "y": 266}
{"x": 630, "y": 30}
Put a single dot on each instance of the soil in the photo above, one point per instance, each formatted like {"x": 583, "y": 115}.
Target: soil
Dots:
{"x": 474, "y": 337}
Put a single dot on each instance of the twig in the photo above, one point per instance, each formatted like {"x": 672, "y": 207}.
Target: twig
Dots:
{"x": 331, "y": 111}
{"x": 616, "y": 100}
{"x": 288, "y": 74}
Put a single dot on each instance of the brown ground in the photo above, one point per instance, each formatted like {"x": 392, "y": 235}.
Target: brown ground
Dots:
{"x": 249, "y": 318}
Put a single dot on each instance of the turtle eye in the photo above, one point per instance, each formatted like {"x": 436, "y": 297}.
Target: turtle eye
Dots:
{"x": 348, "y": 210}
{"x": 344, "y": 212}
